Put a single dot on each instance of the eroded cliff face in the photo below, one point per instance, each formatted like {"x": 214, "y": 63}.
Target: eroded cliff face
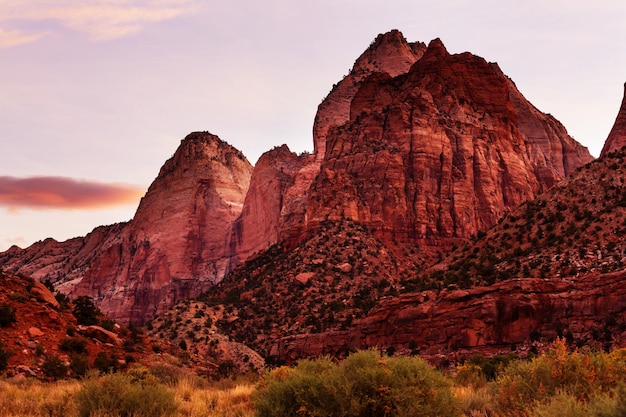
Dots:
{"x": 617, "y": 136}
{"x": 268, "y": 203}
{"x": 484, "y": 319}
{"x": 178, "y": 243}
{"x": 389, "y": 53}
{"x": 439, "y": 153}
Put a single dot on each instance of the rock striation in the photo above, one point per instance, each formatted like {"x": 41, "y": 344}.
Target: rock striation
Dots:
{"x": 617, "y": 136}
{"x": 481, "y": 318}
{"x": 439, "y": 153}
{"x": 178, "y": 243}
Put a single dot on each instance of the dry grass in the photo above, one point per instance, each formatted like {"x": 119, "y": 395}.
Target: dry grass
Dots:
{"x": 195, "y": 397}
{"x": 33, "y": 398}
{"x": 214, "y": 401}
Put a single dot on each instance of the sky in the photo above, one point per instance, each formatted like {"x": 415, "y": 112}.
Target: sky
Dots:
{"x": 95, "y": 95}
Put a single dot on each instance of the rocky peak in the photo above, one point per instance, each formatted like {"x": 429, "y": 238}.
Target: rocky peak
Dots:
{"x": 391, "y": 54}
{"x": 178, "y": 243}
{"x": 617, "y": 137}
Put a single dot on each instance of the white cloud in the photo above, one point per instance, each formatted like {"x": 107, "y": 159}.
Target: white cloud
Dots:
{"x": 101, "y": 20}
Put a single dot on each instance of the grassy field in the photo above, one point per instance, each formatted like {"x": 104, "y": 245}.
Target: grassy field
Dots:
{"x": 557, "y": 383}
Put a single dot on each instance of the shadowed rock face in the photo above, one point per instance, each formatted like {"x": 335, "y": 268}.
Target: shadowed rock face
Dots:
{"x": 178, "y": 243}
{"x": 617, "y": 136}
{"x": 439, "y": 153}
{"x": 481, "y": 318}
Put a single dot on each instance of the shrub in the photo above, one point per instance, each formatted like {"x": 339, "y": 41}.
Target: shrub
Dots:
{"x": 79, "y": 364}
{"x": 103, "y": 363}
{"x": 4, "y": 357}
{"x": 581, "y": 375}
{"x": 7, "y": 315}
{"x": 54, "y": 368}
{"x": 364, "y": 384}
{"x": 125, "y": 396}
{"x": 73, "y": 344}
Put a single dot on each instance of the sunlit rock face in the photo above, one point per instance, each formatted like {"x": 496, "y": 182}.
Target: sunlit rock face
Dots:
{"x": 439, "y": 153}
{"x": 178, "y": 243}
{"x": 617, "y": 136}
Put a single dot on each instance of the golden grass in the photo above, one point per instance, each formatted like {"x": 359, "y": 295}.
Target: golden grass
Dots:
{"x": 31, "y": 398}
{"x": 214, "y": 401}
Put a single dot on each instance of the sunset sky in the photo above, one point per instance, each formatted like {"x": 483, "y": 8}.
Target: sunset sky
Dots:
{"x": 95, "y": 95}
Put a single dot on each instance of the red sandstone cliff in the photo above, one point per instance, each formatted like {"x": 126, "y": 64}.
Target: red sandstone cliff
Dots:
{"x": 617, "y": 136}
{"x": 389, "y": 53}
{"x": 439, "y": 153}
{"x": 177, "y": 244}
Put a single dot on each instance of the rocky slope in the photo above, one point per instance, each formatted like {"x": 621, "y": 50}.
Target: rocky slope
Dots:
{"x": 511, "y": 315}
{"x": 575, "y": 228}
{"x": 617, "y": 136}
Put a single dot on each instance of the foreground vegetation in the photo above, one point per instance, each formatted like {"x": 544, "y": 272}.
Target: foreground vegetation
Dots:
{"x": 559, "y": 382}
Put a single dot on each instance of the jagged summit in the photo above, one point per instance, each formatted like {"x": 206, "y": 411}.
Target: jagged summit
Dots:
{"x": 617, "y": 137}
{"x": 389, "y": 53}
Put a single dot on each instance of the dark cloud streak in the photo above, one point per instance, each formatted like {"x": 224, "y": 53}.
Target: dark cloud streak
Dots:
{"x": 64, "y": 193}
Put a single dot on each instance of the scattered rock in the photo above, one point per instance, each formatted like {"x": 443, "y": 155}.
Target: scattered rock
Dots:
{"x": 35, "y": 332}
{"x": 304, "y": 277}
{"x": 98, "y": 333}
{"x": 43, "y": 294}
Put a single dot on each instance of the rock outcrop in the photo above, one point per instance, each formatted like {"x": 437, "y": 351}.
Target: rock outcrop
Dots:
{"x": 481, "y": 318}
{"x": 617, "y": 136}
{"x": 390, "y": 54}
{"x": 274, "y": 204}
{"x": 440, "y": 153}
{"x": 178, "y": 243}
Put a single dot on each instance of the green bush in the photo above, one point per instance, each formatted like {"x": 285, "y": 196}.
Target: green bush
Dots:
{"x": 364, "y": 384}
{"x": 79, "y": 364}
{"x": 581, "y": 375}
{"x": 104, "y": 363}
{"x": 7, "y": 315}
{"x": 85, "y": 311}
{"x": 125, "y": 396}
{"x": 54, "y": 368}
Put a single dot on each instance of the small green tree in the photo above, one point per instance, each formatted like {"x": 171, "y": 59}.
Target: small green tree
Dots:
{"x": 85, "y": 311}
{"x": 7, "y": 315}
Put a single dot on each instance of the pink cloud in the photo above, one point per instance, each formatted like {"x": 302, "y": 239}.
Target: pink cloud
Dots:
{"x": 64, "y": 193}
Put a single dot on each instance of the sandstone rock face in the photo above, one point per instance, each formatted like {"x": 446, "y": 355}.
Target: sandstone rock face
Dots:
{"x": 617, "y": 136}
{"x": 63, "y": 263}
{"x": 274, "y": 204}
{"x": 418, "y": 145}
{"x": 439, "y": 153}
{"x": 43, "y": 294}
{"x": 391, "y": 54}
{"x": 177, "y": 245}
{"x": 493, "y": 317}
